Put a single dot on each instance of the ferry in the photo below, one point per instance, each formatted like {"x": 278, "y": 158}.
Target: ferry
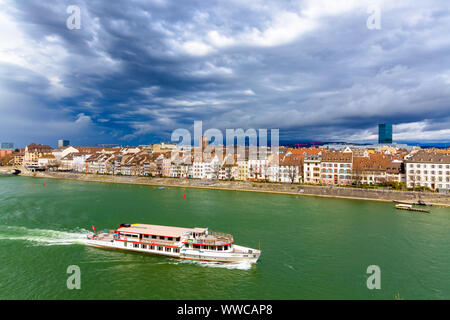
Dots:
{"x": 198, "y": 244}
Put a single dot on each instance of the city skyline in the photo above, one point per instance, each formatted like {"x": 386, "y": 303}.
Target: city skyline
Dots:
{"x": 135, "y": 71}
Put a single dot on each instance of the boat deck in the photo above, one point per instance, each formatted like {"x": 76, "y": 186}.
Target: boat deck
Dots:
{"x": 213, "y": 240}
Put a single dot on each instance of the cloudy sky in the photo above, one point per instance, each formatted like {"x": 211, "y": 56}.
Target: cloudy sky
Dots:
{"x": 138, "y": 69}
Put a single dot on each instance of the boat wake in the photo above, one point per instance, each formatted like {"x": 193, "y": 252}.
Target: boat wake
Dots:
{"x": 42, "y": 237}
{"x": 245, "y": 265}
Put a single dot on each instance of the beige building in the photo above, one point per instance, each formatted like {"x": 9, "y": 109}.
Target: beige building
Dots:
{"x": 35, "y": 151}
{"x": 311, "y": 168}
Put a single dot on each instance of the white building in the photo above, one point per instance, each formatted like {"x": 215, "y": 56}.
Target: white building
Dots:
{"x": 207, "y": 169}
{"x": 79, "y": 161}
{"x": 61, "y": 152}
{"x": 431, "y": 170}
{"x": 258, "y": 169}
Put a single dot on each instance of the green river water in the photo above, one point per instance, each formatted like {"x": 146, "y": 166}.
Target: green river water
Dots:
{"x": 313, "y": 248}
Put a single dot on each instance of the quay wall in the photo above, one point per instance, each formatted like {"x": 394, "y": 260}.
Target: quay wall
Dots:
{"x": 282, "y": 188}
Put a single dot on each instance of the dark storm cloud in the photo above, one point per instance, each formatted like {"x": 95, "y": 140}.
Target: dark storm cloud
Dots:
{"x": 136, "y": 70}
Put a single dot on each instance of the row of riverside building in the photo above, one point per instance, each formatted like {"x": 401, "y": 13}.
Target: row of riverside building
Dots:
{"x": 416, "y": 167}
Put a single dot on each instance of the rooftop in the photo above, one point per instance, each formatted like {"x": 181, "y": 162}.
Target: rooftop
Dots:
{"x": 429, "y": 157}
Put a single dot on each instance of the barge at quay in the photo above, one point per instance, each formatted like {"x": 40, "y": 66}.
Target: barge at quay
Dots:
{"x": 409, "y": 207}
{"x": 198, "y": 244}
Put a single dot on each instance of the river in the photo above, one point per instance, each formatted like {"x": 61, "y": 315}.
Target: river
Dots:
{"x": 312, "y": 248}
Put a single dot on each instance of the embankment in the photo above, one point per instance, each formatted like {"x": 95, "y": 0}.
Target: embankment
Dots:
{"x": 295, "y": 189}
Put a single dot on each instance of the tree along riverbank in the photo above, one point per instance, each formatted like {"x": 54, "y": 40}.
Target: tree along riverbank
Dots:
{"x": 251, "y": 186}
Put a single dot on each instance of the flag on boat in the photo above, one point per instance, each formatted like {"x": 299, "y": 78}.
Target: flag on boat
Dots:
{"x": 93, "y": 228}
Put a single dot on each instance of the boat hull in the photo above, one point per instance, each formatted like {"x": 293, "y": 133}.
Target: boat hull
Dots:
{"x": 242, "y": 255}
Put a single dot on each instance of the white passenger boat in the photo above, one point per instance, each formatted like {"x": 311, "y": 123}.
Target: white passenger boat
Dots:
{"x": 184, "y": 243}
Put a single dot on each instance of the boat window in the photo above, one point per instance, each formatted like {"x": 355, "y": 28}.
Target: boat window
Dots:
{"x": 168, "y": 249}
{"x": 225, "y": 248}
{"x": 196, "y": 246}
{"x": 145, "y": 235}
{"x": 152, "y": 247}
{"x": 153, "y": 237}
{"x": 186, "y": 245}
{"x": 160, "y": 248}
{"x": 136, "y": 245}
{"x": 170, "y": 238}
{"x": 144, "y": 246}
{"x": 178, "y": 239}
{"x": 212, "y": 248}
{"x": 220, "y": 248}
{"x": 162, "y": 238}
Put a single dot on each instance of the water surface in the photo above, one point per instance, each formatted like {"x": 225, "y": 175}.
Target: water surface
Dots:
{"x": 313, "y": 248}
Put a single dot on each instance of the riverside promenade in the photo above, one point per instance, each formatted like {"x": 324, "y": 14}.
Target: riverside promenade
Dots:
{"x": 379, "y": 194}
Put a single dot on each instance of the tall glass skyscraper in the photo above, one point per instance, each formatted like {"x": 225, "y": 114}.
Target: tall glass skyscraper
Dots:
{"x": 63, "y": 143}
{"x": 385, "y": 133}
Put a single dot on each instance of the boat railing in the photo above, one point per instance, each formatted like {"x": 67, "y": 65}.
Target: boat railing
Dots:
{"x": 220, "y": 234}
{"x": 214, "y": 238}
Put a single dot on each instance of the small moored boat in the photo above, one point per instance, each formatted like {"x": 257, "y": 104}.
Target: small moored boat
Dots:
{"x": 185, "y": 243}
{"x": 409, "y": 207}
